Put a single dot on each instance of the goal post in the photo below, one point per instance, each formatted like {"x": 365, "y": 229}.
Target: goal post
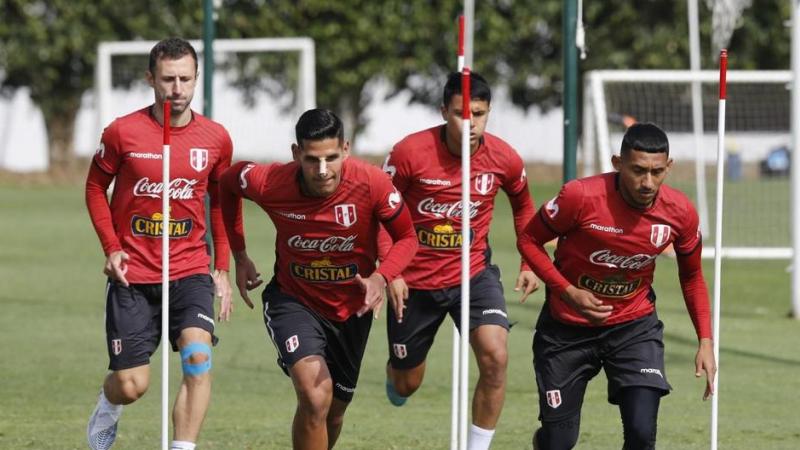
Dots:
{"x": 757, "y": 206}
{"x": 228, "y": 113}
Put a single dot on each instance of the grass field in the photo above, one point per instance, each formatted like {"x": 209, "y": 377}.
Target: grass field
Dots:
{"x": 52, "y": 354}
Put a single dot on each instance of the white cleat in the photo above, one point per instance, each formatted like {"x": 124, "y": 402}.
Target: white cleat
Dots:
{"x": 102, "y": 429}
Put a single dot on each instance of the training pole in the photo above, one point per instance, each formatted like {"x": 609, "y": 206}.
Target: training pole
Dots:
{"x": 723, "y": 69}
{"x": 456, "y": 336}
{"x": 165, "y": 282}
{"x": 463, "y": 366}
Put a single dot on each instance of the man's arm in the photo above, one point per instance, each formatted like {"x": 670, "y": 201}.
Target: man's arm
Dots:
{"x": 97, "y": 182}
{"x": 522, "y": 208}
{"x": 695, "y": 295}
{"x": 531, "y": 245}
{"x": 231, "y": 193}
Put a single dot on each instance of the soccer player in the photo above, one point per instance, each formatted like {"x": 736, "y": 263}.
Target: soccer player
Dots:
{"x": 130, "y": 233}
{"x": 600, "y": 306}
{"x": 426, "y": 168}
{"x": 326, "y": 208}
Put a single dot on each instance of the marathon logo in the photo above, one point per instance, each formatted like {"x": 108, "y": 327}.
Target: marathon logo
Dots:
{"x": 443, "y": 236}
{"x": 610, "y": 288}
{"x": 152, "y": 226}
{"x": 324, "y": 271}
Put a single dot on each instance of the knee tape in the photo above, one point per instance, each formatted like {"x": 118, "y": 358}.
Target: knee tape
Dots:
{"x": 194, "y": 370}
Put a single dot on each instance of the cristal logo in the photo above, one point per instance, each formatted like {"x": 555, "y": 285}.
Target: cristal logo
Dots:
{"x": 179, "y": 188}
{"x": 633, "y": 262}
{"x": 328, "y": 244}
{"x": 441, "y": 210}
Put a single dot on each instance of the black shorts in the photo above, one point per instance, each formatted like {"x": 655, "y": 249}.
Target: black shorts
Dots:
{"x": 566, "y": 357}
{"x": 297, "y": 331}
{"x": 133, "y": 317}
{"x": 410, "y": 341}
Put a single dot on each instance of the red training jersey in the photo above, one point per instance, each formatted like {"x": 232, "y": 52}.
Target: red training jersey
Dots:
{"x": 131, "y": 154}
{"x": 322, "y": 242}
{"x": 609, "y": 248}
{"x": 429, "y": 177}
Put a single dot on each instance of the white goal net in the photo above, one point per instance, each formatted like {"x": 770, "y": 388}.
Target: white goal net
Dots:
{"x": 757, "y": 210}
{"x": 260, "y": 88}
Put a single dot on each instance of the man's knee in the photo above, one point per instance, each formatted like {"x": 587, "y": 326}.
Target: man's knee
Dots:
{"x": 314, "y": 402}
{"x": 407, "y": 381}
{"x": 492, "y": 364}
{"x": 196, "y": 361}
{"x": 558, "y": 435}
{"x": 128, "y": 386}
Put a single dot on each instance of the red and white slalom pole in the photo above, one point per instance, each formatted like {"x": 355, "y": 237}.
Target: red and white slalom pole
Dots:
{"x": 456, "y": 336}
{"x": 466, "y": 116}
{"x": 723, "y": 69}
{"x": 165, "y": 346}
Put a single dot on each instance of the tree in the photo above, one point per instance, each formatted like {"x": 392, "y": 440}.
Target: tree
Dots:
{"x": 50, "y": 47}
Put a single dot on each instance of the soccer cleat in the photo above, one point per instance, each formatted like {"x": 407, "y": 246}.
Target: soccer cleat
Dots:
{"x": 394, "y": 398}
{"x": 102, "y": 429}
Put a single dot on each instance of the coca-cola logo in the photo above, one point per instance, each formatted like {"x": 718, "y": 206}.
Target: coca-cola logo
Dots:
{"x": 429, "y": 206}
{"x": 324, "y": 245}
{"x": 179, "y": 188}
{"x": 632, "y": 262}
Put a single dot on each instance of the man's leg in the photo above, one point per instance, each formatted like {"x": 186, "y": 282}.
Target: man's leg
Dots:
{"x": 489, "y": 344}
{"x": 193, "y": 397}
{"x": 314, "y": 389}
{"x": 335, "y": 420}
{"x": 410, "y": 340}
{"x": 121, "y": 387}
{"x": 638, "y": 407}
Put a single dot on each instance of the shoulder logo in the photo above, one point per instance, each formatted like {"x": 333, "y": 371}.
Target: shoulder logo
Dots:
{"x": 659, "y": 234}
{"x": 345, "y": 214}
{"x": 243, "y": 174}
{"x": 524, "y": 175}
{"x": 484, "y": 183}
{"x": 394, "y": 199}
{"x": 101, "y": 150}
{"x": 388, "y": 168}
{"x": 551, "y": 208}
{"x": 198, "y": 158}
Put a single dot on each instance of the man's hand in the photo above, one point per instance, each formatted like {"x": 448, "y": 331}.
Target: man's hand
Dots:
{"x": 528, "y": 283}
{"x": 247, "y": 277}
{"x": 587, "y": 305}
{"x": 704, "y": 362}
{"x": 117, "y": 266}
{"x": 398, "y": 294}
{"x": 372, "y": 287}
{"x": 222, "y": 289}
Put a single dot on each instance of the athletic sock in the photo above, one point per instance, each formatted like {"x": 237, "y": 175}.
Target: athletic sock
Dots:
{"x": 182, "y": 445}
{"x": 106, "y": 406}
{"x": 479, "y": 439}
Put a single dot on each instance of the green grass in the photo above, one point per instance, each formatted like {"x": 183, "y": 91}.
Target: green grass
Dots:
{"x": 53, "y": 358}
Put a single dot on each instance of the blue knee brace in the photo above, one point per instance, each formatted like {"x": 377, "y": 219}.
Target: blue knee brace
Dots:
{"x": 194, "y": 370}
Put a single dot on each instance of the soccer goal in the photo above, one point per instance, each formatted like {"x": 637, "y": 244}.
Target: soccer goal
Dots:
{"x": 757, "y": 209}
{"x": 260, "y": 88}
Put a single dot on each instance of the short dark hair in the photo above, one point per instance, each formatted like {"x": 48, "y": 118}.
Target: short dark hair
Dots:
{"x": 318, "y": 124}
{"x": 645, "y": 137}
{"x": 171, "y": 48}
{"x": 478, "y": 88}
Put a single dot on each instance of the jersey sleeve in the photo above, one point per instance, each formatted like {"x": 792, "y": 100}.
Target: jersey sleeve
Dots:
{"x": 109, "y": 155}
{"x": 225, "y": 156}
{"x": 398, "y": 167}
{"x": 689, "y": 235}
{"x": 399, "y": 242}
{"x": 243, "y": 179}
{"x": 516, "y": 178}
{"x": 561, "y": 213}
